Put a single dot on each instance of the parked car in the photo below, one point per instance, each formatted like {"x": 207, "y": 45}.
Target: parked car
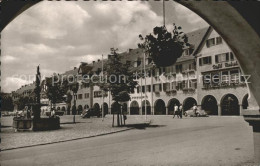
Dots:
{"x": 200, "y": 113}
{"x": 87, "y": 113}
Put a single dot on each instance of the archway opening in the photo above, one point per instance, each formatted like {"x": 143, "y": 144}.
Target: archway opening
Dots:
{"x": 159, "y": 107}
{"x": 209, "y": 105}
{"x": 188, "y": 103}
{"x": 134, "y": 108}
{"x": 148, "y": 107}
{"x": 96, "y": 107}
{"x": 80, "y": 109}
{"x": 245, "y": 102}
{"x": 171, "y": 105}
{"x": 63, "y": 109}
{"x": 229, "y": 105}
{"x": 105, "y": 105}
{"x": 124, "y": 108}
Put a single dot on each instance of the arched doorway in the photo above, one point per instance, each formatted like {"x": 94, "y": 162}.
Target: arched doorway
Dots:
{"x": 159, "y": 107}
{"x": 134, "y": 108}
{"x": 245, "y": 102}
{"x": 96, "y": 107}
{"x": 105, "y": 105}
{"x": 148, "y": 107}
{"x": 63, "y": 109}
{"x": 86, "y": 106}
{"x": 124, "y": 108}
{"x": 229, "y": 105}
{"x": 210, "y": 105}
{"x": 115, "y": 107}
{"x": 188, "y": 103}
{"x": 171, "y": 105}
{"x": 80, "y": 108}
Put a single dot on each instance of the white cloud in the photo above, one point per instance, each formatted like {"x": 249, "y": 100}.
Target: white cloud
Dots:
{"x": 60, "y": 35}
{"x": 183, "y": 13}
{"x": 13, "y": 83}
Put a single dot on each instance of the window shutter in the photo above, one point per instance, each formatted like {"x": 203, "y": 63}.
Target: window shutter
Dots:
{"x": 200, "y": 61}
{"x": 227, "y": 56}
{"x": 209, "y": 59}
{"x": 216, "y": 59}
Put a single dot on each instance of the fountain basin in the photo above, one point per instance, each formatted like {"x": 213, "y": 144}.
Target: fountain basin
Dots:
{"x": 41, "y": 124}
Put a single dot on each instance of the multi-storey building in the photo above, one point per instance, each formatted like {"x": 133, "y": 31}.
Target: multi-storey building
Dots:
{"x": 207, "y": 74}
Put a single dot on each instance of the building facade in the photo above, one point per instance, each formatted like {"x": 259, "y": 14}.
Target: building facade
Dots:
{"x": 207, "y": 75}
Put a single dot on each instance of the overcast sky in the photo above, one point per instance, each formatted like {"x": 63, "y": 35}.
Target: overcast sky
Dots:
{"x": 59, "y": 35}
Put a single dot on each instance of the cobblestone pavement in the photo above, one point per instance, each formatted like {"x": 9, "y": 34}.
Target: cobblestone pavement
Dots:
{"x": 68, "y": 131}
{"x": 214, "y": 141}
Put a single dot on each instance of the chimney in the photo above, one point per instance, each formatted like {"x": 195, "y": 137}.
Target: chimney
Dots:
{"x": 98, "y": 60}
{"x": 74, "y": 69}
{"x": 93, "y": 62}
{"x": 129, "y": 50}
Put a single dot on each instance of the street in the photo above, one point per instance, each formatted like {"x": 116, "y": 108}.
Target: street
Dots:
{"x": 167, "y": 141}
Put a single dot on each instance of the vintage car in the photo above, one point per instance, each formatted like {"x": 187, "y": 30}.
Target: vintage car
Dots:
{"x": 191, "y": 113}
{"x": 87, "y": 113}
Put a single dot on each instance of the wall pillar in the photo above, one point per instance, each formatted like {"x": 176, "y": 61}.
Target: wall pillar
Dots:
{"x": 240, "y": 109}
{"x": 128, "y": 111}
{"x": 140, "y": 111}
{"x": 167, "y": 110}
{"x": 254, "y": 121}
{"x": 219, "y": 109}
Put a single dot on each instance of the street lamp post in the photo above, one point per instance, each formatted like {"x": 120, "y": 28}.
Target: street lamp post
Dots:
{"x": 75, "y": 88}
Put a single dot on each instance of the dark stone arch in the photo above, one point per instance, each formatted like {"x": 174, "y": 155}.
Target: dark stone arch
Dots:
{"x": 188, "y": 103}
{"x": 148, "y": 107}
{"x": 159, "y": 107}
{"x": 245, "y": 102}
{"x": 105, "y": 105}
{"x": 171, "y": 104}
{"x": 210, "y": 105}
{"x": 134, "y": 108}
{"x": 229, "y": 105}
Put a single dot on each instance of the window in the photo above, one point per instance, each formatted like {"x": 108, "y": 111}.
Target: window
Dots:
{"x": 205, "y": 61}
{"x": 80, "y": 96}
{"x": 179, "y": 68}
{"x": 206, "y": 79}
{"x": 219, "y": 40}
{"x": 149, "y": 88}
{"x": 210, "y": 42}
{"x": 138, "y": 89}
{"x": 179, "y": 86}
{"x": 234, "y": 76}
{"x": 86, "y": 95}
{"x": 232, "y": 56}
{"x": 97, "y": 94}
{"x": 222, "y": 58}
{"x": 215, "y": 78}
{"x": 173, "y": 85}
{"x": 186, "y": 52}
{"x": 225, "y": 77}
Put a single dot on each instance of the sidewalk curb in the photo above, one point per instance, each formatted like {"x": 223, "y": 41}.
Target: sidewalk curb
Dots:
{"x": 21, "y": 147}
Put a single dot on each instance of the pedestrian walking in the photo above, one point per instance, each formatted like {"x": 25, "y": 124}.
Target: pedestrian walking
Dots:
{"x": 175, "y": 111}
{"x": 195, "y": 108}
{"x": 180, "y": 111}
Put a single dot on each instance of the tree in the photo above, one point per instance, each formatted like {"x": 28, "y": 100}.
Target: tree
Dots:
{"x": 119, "y": 81}
{"x": 56, "y": 89}
{"x": 164, "y": 47}
{"x": 6, "y": 103}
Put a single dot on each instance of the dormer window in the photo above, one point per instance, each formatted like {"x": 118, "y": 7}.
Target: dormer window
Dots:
{"x": 186, "y": 52}
{"x": 210, "y": 42}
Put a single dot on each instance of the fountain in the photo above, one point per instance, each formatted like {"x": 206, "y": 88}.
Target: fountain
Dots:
{"x": 36, "y": 123}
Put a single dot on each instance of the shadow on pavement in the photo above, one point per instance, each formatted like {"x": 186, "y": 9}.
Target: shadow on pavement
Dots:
{"x": 143, "y": 126}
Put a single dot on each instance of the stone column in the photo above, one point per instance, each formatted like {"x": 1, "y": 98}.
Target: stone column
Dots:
{"x": 254, "y": 121}
{"x": 167, "y": 110}
{"x": 219, "y": 110}
{"x": 240, "y": 109}
{"x": 128, "y": 111}
{"x": 140, "y": 111}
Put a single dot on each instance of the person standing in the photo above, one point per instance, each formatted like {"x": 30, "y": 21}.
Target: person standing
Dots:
{"x": 180, "y": 111}
{"x": 195, "y": 109}
{"x": 175, "y": 111}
